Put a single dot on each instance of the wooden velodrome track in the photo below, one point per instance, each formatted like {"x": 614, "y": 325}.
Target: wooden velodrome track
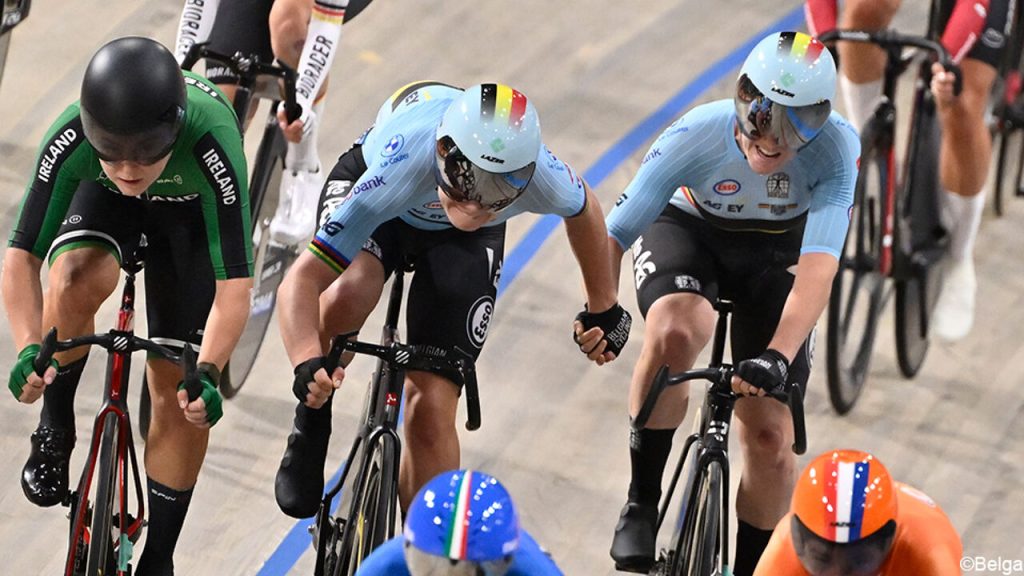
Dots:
{"x": 555, "y": 427}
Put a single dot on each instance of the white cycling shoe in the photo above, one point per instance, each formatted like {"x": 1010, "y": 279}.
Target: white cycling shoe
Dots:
{"x": 954, "y": 311}
{"x": 295, "y": 219}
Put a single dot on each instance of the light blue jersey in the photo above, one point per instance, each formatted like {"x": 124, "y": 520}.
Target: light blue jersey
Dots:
{"x": 399, "y": 180}
{"x": 697, "y": 166}
{"x": 529, "y": 560}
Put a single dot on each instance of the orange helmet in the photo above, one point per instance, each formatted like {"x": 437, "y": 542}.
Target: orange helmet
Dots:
{"x": 844, "y": 513}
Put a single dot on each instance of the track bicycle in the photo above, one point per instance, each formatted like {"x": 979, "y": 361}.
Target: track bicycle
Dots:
{"x": 1008, "y": 118}
{"x": 343, "y": 540}
{"x": 257, "y": 80}
{"x": 895, "y": 230}
{"x": 14, "y": 12}
{"x": 700, "y": 541}
{"x": 103, "y": 529}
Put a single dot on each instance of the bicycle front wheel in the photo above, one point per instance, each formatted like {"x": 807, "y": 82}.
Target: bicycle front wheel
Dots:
{"x": 857, "y": 290}
{"x": 104, "y": 535}
{"x": 374, "y": 520}
{"x": 701, "y": 550}
{"x": 911, "y": 325}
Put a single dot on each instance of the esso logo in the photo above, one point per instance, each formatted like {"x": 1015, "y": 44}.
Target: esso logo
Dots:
{"x": 479, "y": 319}
{"x": 726, "y": 187}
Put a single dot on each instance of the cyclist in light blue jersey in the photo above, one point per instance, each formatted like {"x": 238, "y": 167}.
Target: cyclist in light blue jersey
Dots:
{"x": 747, "y": 200}
{"x": 431, "y": 185}
{"x": 461, "y": 523}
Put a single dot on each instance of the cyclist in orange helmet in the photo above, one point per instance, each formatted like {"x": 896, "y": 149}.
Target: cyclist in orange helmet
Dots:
{"x": 849, "y": 517}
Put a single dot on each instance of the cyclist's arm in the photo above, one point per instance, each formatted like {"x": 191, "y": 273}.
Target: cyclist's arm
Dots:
{"x": 319, "y": 49}
{"x": 298, "y": 306}
{"x": 23, "y": 296}
{"x": 225, "y": 203}
{"x": 196, "y": 22}
{"x": 61, "y": 158}
{"x": 805, "y": 303}
{"x": 587, "y": 234}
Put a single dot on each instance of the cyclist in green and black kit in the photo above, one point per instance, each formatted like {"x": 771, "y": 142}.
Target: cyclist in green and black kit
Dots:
{"x": 152, "y": 155}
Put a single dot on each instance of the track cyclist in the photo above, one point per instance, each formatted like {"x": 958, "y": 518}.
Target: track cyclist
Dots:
{"x": 976, "y": 34}
{"x": 303, "y": 34}
{"x": 462, "y": 522}
{"x": 849, "y": 517}
{"x": 744, "y": 199}
{"x": 433, "y": 182}
{"x": 146, "y": 155}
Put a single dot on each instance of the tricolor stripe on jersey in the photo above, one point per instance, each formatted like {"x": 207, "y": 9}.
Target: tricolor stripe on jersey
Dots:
{"x": 329, "y": 255}
{"x": 846, "y": 487}
{"x": 328, "y": 14}
{"x": 800, "y": 45}
{"x": 458, "y": 531}
{"x": 503, "y": 104}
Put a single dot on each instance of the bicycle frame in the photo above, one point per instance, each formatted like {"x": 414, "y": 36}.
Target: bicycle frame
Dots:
{"x": 711, "y": 440}
{"x": 380, "y": 423}
{"x": 120, "y": 343}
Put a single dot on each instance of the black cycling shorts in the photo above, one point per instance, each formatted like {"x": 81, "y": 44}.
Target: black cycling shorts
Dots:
{"x": 244, "y": 26}
{"x": 682, "y": 253}
{"x": 455, "y": 273}
{"x": 179, "y": 278}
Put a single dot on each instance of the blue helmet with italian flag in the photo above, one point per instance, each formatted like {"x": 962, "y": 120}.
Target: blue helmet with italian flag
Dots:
{"x": 785, "y": 89}
{"x": 487, "y": 146}
{"x": 461, "y": 522}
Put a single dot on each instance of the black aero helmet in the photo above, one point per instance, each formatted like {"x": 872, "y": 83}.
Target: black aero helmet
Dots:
{"x": 133, "y": 101}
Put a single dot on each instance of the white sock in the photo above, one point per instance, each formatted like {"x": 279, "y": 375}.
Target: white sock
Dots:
{"x": 859, "y": 100}
{"x": 962, "y": 215}
{"x": 303, "y": 156}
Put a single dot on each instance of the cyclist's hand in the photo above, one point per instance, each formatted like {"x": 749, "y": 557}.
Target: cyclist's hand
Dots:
{"x": 943, "y": 84}
{"x": 601, "y": 336}
{"x": 25, "y": 384}
{"x": 758, "y": 376}
{"x": 312, "y": 385}
{"x": 297, "y": 130}
{"x": 205, "y": 410}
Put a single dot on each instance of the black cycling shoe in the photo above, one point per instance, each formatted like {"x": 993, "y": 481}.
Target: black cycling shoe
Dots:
{"x": 633, "y": 545}
{"x": 45, "y": 476}
{"x": 299, "y": 484}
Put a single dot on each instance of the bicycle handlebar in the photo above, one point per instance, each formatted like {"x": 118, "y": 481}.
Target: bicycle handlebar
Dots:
{"x": 721, "y": 382}
{"x": 124, "y": 342}
{"x": 894, "y": 39}
{"x": 249, "y": 69}
{"x": 455, "y": 364}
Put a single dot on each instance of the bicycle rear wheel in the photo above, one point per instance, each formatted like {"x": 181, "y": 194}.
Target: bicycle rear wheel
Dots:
{"x": 1003, "y": 134}
{"x": 103, "y": 534}
{"x": 5, "y": 43}
{"x": 271, "y": 260}
{"x": 699, "y": 552}
{"x": 374, "y": 521}
{"x": 857, "y": 289}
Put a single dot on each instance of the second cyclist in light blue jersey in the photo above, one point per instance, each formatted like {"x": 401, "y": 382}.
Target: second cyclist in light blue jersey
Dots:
{"x": 430, "y": 185}
{"x": 746, "y": 200}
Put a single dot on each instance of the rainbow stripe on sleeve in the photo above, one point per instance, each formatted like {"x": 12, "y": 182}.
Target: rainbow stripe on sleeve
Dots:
{"x": 328, "y": 255}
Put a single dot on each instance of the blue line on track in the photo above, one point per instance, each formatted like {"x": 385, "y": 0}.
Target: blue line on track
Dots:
{"x": 297, "y": 541}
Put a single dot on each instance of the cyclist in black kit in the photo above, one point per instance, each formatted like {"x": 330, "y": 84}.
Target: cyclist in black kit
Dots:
{"x": 279, "y": 29}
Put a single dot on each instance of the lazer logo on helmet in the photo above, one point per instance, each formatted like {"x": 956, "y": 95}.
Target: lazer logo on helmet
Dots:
{"x": 778, "y": 90}
{"x": 220, "y": 174}
{"x": 54, "y": 151}
{"x": 492, "y": 159}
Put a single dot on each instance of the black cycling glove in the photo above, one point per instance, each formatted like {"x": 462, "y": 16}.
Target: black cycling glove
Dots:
{"x": 304, "y": 374}
{"x": 614, "y": 322}
{"x": 769, "y": 371}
